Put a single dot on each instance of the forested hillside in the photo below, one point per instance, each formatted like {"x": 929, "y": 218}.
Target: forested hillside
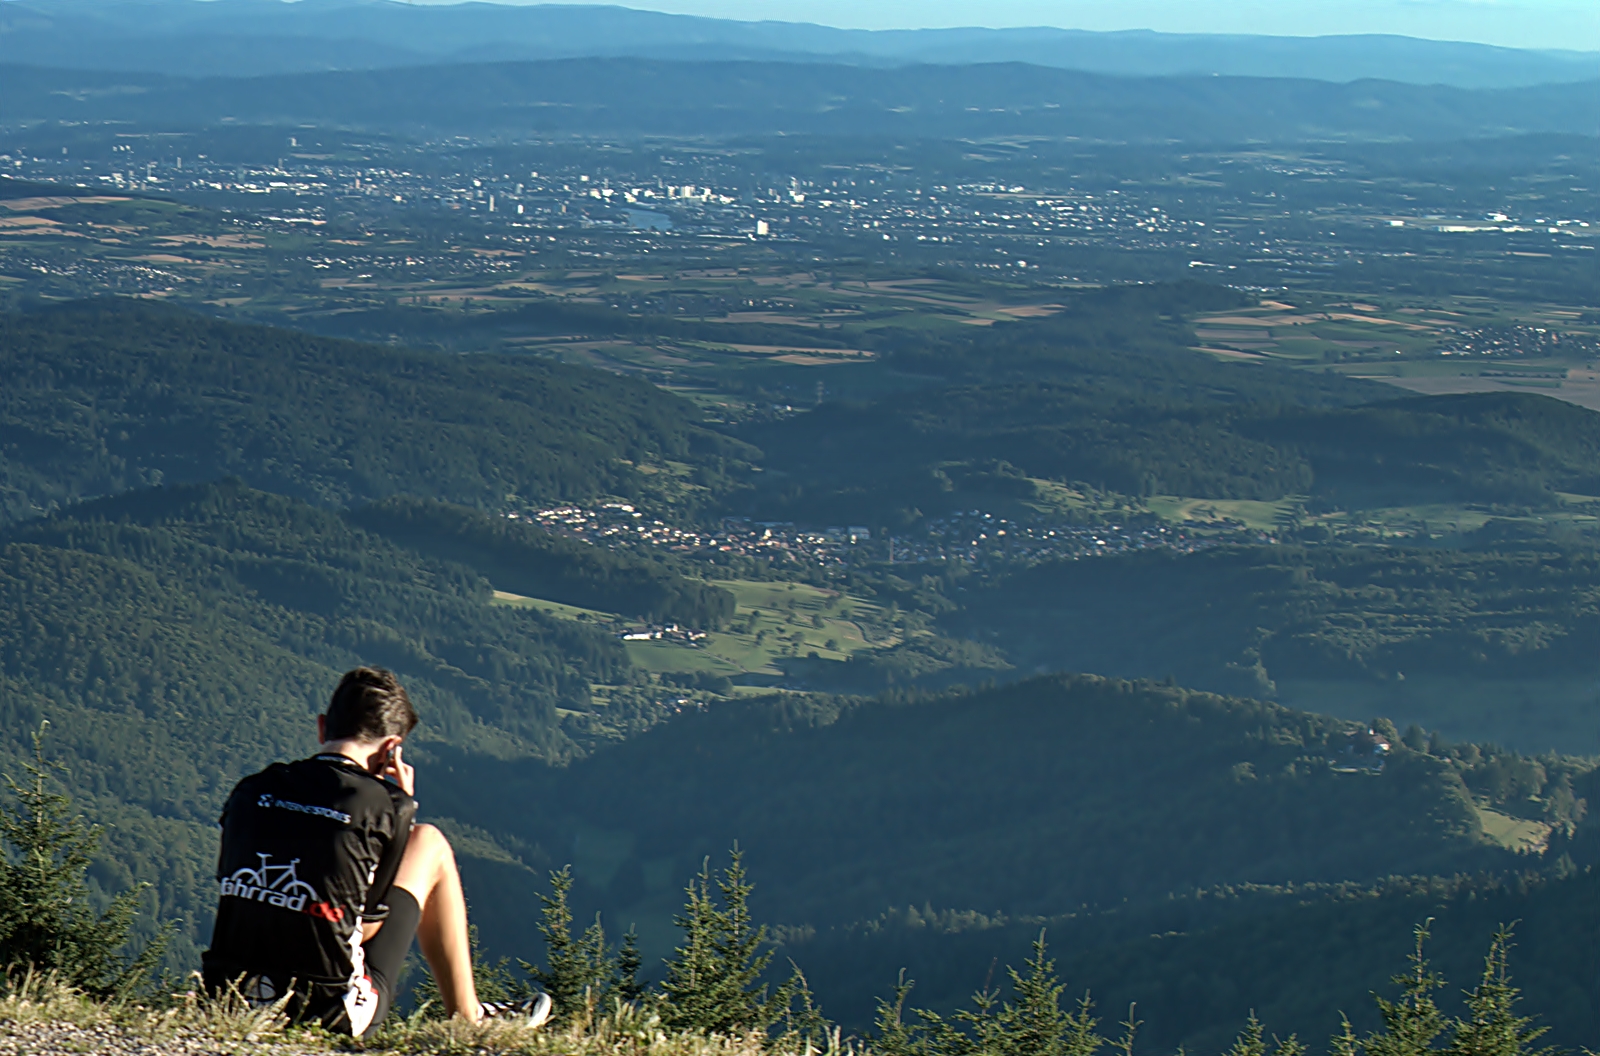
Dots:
{"x": 1486, "y": 447}
{"x": 177, "y": 639}
{"x": 1036, "y": 798}
{"x": 108, "y": 395}
{"x": 926, "y": 447}
{"x": 1198, "y": 966}
{"x": 1197, "y": 854}
{"x": 1108, "y": 391}
{"x": 1237, "y": 618}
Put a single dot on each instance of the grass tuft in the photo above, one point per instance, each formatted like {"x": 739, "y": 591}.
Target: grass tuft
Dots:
{"x": 35, "y": 1005}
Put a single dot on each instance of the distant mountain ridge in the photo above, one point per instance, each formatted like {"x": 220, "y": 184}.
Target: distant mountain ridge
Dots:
{"x": 260, "y": 37}
{"x": 614, "y": 96}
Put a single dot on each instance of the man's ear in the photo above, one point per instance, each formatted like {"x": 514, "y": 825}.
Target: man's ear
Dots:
{"x": 322, "y": 729}
{"x": 380, "y": 758}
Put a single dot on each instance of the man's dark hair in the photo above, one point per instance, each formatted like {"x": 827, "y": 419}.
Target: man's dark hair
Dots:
{"x": 369, "y": 705}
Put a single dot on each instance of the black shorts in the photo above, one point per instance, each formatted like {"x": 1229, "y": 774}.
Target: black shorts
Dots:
{"x": 329, "y": 1002}
{"x": 386, "y": 951}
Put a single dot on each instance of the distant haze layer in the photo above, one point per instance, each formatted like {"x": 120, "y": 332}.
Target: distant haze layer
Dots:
{"x": 250, "y": 38}
{"x": 645, "y": 97}
{"x": 1508, "y": 23}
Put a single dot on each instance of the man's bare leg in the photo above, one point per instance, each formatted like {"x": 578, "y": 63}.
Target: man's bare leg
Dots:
{"x": 428, "y": 872}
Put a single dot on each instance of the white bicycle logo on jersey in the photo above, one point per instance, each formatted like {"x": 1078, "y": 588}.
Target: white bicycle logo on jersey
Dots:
{"x": 274, "y": 885}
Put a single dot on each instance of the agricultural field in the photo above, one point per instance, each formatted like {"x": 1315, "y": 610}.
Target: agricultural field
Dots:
{"x": 1201, "y": 513}
{"x": 304, "y": 265}
{"x": 1516, "y": 834}
{"x": 1438, "y": 521}
{"x": 773, "y": 621}
{"x": 553, "y": 608}
{"x": 1457, "y": 345}
{"x": 1580, "y": 513}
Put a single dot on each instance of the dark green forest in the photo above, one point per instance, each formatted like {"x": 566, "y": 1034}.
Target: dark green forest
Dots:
{"x": 1508, "y": 448}
{"x": 1238, "y": 618}
{"x": 1197, "y": 966}
{"x": 933, "y": 449}
{"x": 108, "y": 395}
{"x": 846, "y": 806}
{"x": 1131, "y": 819}
{"x": 1107, "y": 392}
{"x": 112, "y": 395}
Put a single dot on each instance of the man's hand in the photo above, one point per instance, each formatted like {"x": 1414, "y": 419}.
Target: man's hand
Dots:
{"x": 397, "y": 771}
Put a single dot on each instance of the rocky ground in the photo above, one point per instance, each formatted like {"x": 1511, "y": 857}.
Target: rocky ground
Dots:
{"x": 105, "y": 1039}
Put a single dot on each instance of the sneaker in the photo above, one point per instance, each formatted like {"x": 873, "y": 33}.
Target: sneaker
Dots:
{"x": 530, "y": 1012}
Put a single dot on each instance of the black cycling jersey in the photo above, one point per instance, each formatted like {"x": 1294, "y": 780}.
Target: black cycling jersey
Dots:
{"x": 309, "y": 849}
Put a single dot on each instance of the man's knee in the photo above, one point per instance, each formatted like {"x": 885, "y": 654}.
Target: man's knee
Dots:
{"x": 428, "y": 859}
{"x": 428, "y": 844}
{"x": 428, "y": 836}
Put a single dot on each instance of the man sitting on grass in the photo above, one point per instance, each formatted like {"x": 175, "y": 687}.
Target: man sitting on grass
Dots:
{"x": 325, "y": 878}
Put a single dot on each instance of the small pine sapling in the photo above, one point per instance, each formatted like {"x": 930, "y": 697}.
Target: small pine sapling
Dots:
{"x": 804, "y": 1025}
{"x": 1412, "y": 1024}
{"x": 892, "y": 1035}
{"x": 1130, "y": 1030}
{"x": 1081, "y": 1038}
{"x": 581, "y": 972}
{"x": 47, "y": 922}
{"x": 1251, "y": 1040}
{"x": 1492, "y": 1026}
{"x": 629, "y": 988}
{"x": 983, "y": 1021}
{"x": 713, "y": 982}
{"x": 1036, "y": 1024}
{"x": 1344, "y": 1043}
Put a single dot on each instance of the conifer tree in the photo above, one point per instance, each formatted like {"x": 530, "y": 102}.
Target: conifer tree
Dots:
{"x": 46, "y": 917}
{"x": 1081, "y": 1038}
{"x": 628, "y": 964}
{"x": 1412, "y": 1024}
{"x": 891, "y": 1034}
{"x": 803, "y": 1022}
{"x": 1130, "y": 1029}
{"x": 1035, "y": 1024}
{"x": 1252, "y": 1041}
{"x": 1344, "y": 1043}
{"x": 713, "y": 982}
{"x": 578, "y": 971}
{"x": 983, "y": 1021}
{"x": 1492, "y": 1026}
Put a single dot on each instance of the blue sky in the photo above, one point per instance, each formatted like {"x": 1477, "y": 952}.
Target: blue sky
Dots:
{"x": 1573, "y": 24}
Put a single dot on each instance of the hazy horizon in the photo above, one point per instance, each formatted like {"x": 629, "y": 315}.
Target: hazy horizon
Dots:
{"x": 1538, "y": 24}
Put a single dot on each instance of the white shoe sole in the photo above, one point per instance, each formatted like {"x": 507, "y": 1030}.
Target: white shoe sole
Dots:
{"x": 543, "y": 1006}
